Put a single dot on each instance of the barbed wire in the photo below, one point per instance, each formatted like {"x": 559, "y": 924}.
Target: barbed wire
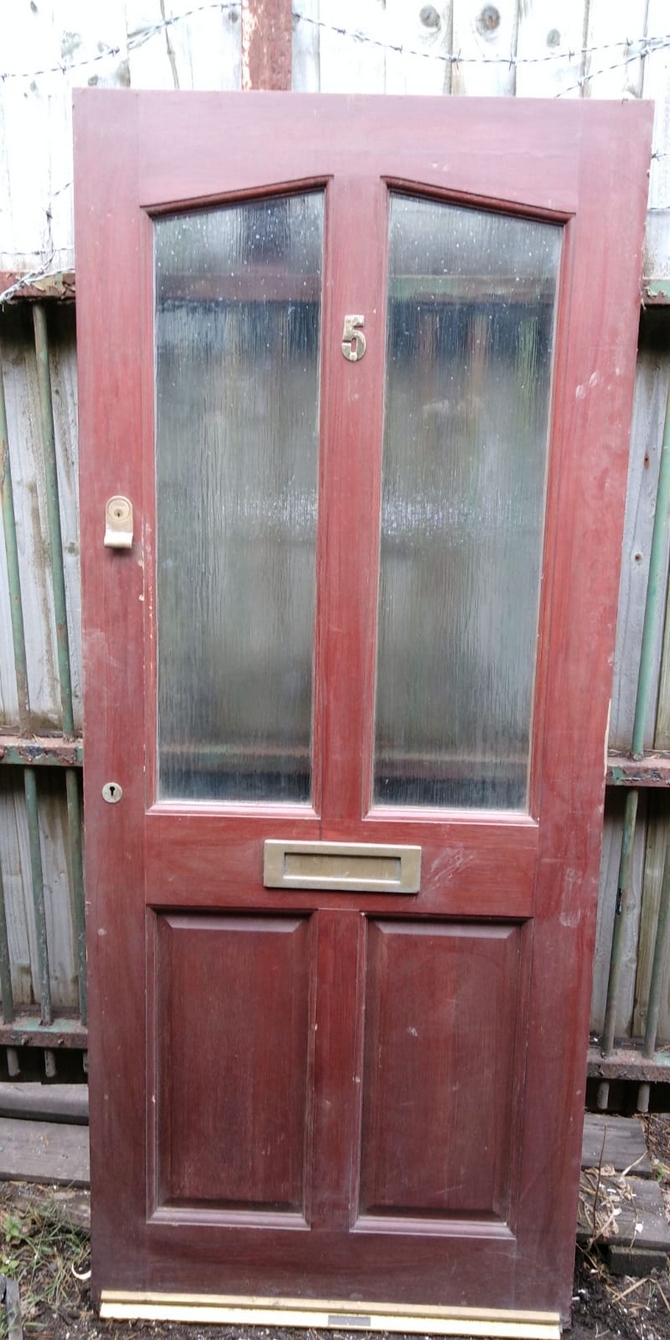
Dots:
{"x": 651, "y": 209}
{"x": 135, "y": 39}
{"x": 660, "y": 45}
{"x": 632, "y": 49}
{"x": 645, "y": 44}
{"x": 24, "y": 281}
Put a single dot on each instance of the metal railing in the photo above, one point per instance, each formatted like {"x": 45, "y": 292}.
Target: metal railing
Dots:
{"x": 31, "y": 754}
{"x": 54, "y": 1029}
{"x": 654, "y": 605}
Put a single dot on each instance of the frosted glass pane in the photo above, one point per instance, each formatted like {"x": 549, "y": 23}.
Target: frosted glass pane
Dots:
{"x": 238, "y": 300}
{"x": 470, "y": 327}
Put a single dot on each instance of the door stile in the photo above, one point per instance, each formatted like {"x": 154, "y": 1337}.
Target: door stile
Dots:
{"x": 112, "y": 583}
{"x": 595, "y": 419}
{"x": 352, "y": 453}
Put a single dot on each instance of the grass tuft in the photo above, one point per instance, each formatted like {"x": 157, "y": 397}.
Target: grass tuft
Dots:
{"x": 42, "y": 1250}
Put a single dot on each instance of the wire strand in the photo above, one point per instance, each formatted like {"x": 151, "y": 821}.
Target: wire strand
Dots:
{"x": 136, "y": 39}
{"x": 660, "y": 45}
{"x": 632, "y": 49}
{"x": 645, "y": 44}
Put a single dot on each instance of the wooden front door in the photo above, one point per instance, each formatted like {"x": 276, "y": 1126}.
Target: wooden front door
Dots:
{"x": 363, "y": 368}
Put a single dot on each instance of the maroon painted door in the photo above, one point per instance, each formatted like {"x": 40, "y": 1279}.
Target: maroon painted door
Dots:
{"x": 363, "y": 368}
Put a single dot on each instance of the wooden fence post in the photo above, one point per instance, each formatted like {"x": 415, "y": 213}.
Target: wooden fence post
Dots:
{"x": 266, "y": 44}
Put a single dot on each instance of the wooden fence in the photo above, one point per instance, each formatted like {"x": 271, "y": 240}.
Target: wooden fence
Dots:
{"x": 578, "y": 48}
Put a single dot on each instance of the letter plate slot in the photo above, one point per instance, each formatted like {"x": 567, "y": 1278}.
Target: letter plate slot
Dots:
{"x": 359, "y": 867}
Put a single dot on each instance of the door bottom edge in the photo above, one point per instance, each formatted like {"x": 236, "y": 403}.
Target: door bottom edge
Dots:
{"x": 341, "y": 1315}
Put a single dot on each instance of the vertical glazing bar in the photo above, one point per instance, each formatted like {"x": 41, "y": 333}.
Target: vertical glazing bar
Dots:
{"x": 38, "y": 894}
{"x": 5, "y": 967}
{"x": 14, "y": 580}
{"x": 53, "y": 513}
{"x": 77, "y": 868}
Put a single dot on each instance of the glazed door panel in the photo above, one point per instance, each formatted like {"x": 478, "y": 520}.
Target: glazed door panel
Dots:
{"x": 369, "y": 425}
{"x": 237, "y": 331}
{"x": 471, "y": 312}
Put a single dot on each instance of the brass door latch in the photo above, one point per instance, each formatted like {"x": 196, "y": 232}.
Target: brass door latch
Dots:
{"x": 119, "y": 523}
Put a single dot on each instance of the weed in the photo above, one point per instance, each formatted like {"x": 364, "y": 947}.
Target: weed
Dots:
{"x": 40, "y": 1249}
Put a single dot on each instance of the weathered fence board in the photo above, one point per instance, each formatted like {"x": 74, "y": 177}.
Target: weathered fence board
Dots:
{"x": 609, "y": 873}
{"x": 656, "y": 86}
{"x": 527, "y": 48}
{"x": 611, "y": 67}
{"x": 347, "y": 64}
{"x": 653, "y": 376}
{"x": 17, "y": 353}
{"x": 657, "y": 841}
{"x": 57, "y": 888}
{"x": 531, "y": 48}
{"x": 431, "y": 37}
{"x": 484, "y": 38}
{"x": 200, "y": 50}
{"x": 549, "y": 49}
{"x": 306, "y": 47}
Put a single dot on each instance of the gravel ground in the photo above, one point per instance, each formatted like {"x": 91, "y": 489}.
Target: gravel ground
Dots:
{"x": 44, "y": 1243}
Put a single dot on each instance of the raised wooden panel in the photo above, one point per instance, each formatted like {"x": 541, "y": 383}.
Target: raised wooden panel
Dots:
{"x": 443, "y": 1013}
{"x": 232, "y": 1029}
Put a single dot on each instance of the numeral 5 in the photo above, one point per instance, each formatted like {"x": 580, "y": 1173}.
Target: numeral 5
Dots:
{"x": 353, "y": 340}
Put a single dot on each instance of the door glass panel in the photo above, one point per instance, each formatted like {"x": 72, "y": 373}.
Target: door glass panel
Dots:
{"x": 238, "y": 310}
{"x": 470, "y": 327}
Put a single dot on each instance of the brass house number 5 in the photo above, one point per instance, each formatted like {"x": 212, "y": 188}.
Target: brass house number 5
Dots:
{"x": 353, "y": 340}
